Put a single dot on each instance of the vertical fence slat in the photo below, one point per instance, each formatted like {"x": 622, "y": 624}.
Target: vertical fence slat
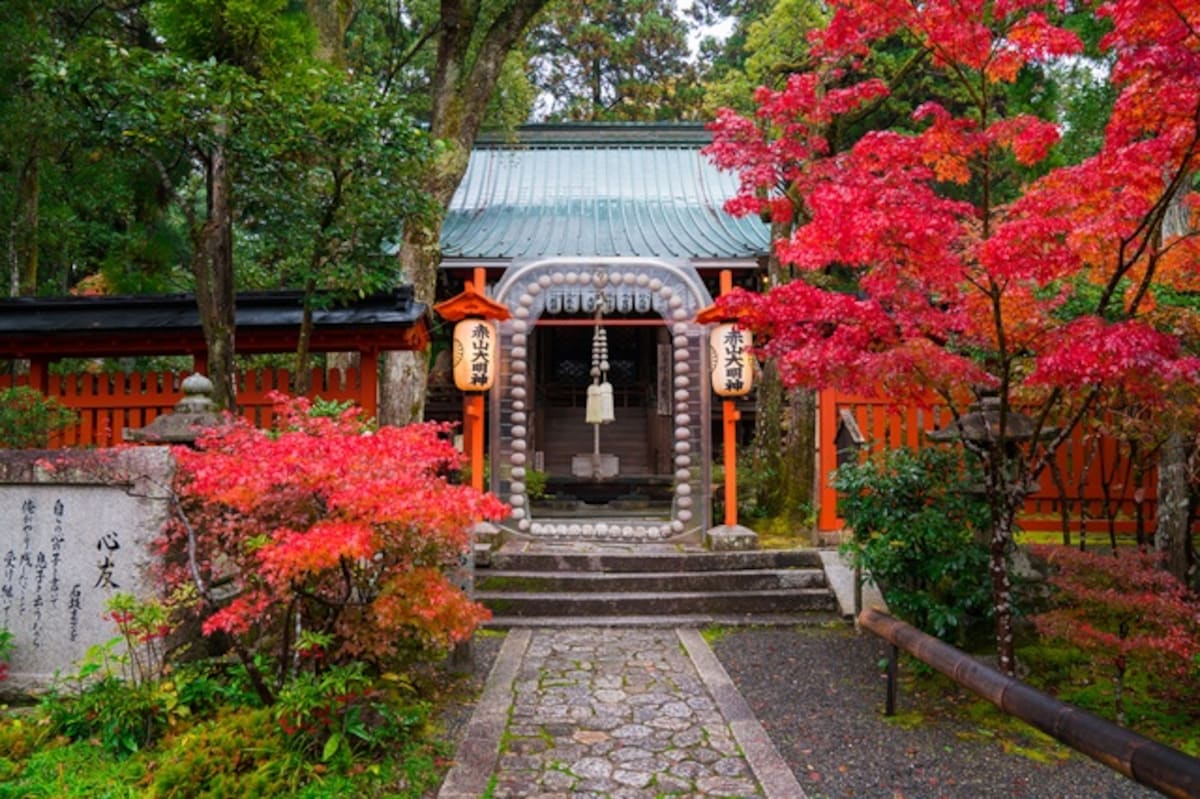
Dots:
{"x": 884, "y": 428}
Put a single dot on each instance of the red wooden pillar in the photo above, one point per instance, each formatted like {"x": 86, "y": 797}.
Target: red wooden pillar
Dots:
{"x": 729, "y": 412}
{"x": 368, "y": 376}
{"x": 39, "y": 374}
{"x": 730, "y": 416}
{"x": 473, "y": 436}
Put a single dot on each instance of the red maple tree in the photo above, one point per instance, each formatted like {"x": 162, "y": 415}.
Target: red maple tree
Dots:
{"x": 326, "y": 538}
{"x": 1125, "y": 613}
{"x": 972, "y": 275}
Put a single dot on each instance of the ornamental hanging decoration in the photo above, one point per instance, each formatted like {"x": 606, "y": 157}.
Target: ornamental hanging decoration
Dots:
{"x": 599, "y": 408}
{"x": 732, "y": 360}
{"x": 475, "y": 343}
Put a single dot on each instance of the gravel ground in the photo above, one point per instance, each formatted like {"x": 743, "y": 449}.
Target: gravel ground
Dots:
{"x": 454, "y": 717}
{"x": 819, "y": 693}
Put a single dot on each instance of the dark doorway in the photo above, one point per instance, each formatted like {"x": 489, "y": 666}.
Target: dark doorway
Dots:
{"x": 637, "y": 437}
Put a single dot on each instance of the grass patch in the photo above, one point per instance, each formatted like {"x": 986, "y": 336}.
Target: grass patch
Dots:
{"x": 225, "y": 747}
{"x": 782, "y": 532}
{"x": 1065, "y": 673}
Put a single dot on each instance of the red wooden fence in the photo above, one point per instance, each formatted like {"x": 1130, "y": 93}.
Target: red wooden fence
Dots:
{"x": 1099, "y": 462}
{"x": 107, "y": 403}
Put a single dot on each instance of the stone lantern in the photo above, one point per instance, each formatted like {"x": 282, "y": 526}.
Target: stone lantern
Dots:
{"x": 193, "y": 415}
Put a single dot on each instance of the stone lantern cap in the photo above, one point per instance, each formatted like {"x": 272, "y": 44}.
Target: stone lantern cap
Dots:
{"x": 193, "y": 415}
{"x": 981, "y": 424}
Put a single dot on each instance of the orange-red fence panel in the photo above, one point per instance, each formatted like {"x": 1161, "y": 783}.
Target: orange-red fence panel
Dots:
{"x": 1099, "y": 483}
{"x": 108, "y": 403}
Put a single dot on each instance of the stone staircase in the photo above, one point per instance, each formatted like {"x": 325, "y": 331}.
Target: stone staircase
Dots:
{"x": 654, "y": 588}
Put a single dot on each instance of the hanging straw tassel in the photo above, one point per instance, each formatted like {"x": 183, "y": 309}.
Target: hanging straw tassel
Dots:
{"x": 607, "y": 412}
{"x": 594, "y": 412}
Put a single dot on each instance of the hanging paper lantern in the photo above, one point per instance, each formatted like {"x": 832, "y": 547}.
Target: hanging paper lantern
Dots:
{"x": 475, "y": 354}
{"x": 732, "y": 361}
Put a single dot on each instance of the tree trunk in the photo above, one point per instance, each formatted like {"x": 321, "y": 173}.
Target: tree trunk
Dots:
{"x": 302, "y": 379}
{"x": 766, "y": 452}
{"x": 799, "y": 460}
{"x": 212, "y": 267}
{"x": 1172, "y": 523}
{"x": 467, "y": 68}
{"x": 28, "y": 216}
{"x": 332, "y": 19}
{"x": 784, "y": 448}
{"x": 1002, "y": 606}
{"x": 1171, "y": 533}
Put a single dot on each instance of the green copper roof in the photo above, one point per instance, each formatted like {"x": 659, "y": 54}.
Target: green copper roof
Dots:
{"x": 597, "y": 190}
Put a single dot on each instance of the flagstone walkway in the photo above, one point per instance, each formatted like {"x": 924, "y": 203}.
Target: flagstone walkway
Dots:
{"x": 627, "y": 713}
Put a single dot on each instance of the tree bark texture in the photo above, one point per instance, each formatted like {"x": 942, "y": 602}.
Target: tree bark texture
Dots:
{"x": 1172, "y": 527}
{"x": 466, "y": 71}
{"x": 212, "y": 268}
{"x": 332, "y": 18}
{"x": 28, "y": 217}
{"x": 1002, "y": 599}
{"x": 784, "y": 450}
{"x": 1171, "y": 533}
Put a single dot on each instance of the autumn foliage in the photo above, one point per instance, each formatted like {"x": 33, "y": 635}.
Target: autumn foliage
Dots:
{"x": 1125, "y": 612}
{"x": 947, "y": 254}
{"x": 325, "y": 538}
{"x": 956, "y": 288}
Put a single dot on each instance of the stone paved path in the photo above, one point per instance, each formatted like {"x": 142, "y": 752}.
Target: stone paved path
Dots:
{"x": 621, "y": 713}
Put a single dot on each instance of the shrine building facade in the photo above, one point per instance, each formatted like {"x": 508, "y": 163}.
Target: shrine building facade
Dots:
{"x": 603, "y": 242}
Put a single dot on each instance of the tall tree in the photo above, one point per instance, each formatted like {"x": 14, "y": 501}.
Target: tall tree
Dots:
{"x": 963, "y": 260}
{"x": 599, "y": 60}
{"x": 65, "y": 212}
{"x": 474, "y": 39}
{"x": 768, "y": 42}
{"x": 318, "y": 210}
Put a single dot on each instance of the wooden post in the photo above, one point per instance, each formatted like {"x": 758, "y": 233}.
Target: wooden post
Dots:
{"x": 368, "y": 381}
{"x": 473, "y": 436}
{"x": 39, "y": 375}
{"x": 473, "y": 408}
{"x": 472, "y": 304}
{"x": 730, "y": 415}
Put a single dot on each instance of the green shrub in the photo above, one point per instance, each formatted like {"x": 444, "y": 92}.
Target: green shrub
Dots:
{"x": 5, "y": 651}
{"x": 239, "y": 753}
{"x": 95, "y": 703}
{"x": 27, "y": 419}
{"x": 342, "y": 713}
{"x": 915, "y": 534}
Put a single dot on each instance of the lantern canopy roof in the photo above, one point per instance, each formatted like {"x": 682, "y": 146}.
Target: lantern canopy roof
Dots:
{"x": 470, "y": 302}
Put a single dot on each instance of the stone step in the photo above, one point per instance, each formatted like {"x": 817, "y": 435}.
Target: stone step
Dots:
{"x": 668, "y": 621}
{"x": 655, "y": 603}
{"x": 689, "y": 581}
{"x": 572, "y": 561}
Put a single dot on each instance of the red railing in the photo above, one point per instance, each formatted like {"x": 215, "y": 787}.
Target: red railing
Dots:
{"x": 107, "y": 403}
{"x": 1110, "y": 492}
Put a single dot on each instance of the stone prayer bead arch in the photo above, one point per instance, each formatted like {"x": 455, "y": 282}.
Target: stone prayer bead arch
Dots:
{"x": 677, "y": 293}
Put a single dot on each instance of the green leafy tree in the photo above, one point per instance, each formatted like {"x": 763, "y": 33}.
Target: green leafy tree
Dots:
{"x": 261, "y": 156}
{"x": 769, "y": 41}
{"x": 606, "y": 60}
{"x": 474, "y": 40}
{"x": 69, "y": 208}
{"x": 340, "y": 166}
{"x": 27, "y": 419}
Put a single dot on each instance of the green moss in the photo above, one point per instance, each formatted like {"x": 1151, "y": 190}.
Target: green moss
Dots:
{"x": 714, "y": 633}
